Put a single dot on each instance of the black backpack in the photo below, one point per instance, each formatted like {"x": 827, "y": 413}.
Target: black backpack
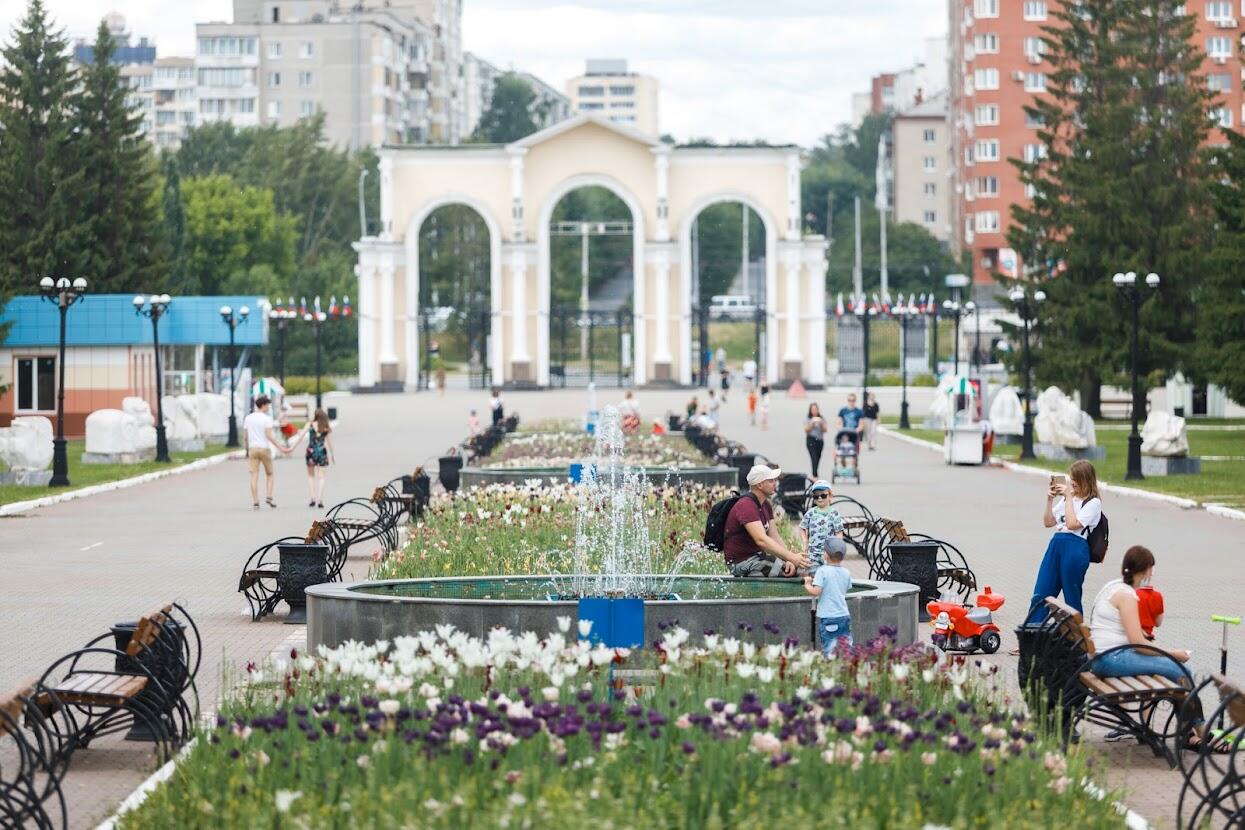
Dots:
{"x": 1099, "y": 538}
{"x": 715, "y": 523}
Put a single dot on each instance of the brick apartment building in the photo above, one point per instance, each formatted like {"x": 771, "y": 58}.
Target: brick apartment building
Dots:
{"x": 996, "y": 69}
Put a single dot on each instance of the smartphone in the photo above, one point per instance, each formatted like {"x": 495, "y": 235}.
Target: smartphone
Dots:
{"x": 1057, "y": 481}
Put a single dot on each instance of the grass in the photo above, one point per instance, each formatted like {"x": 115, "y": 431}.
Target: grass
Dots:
{"x": 84, "y": 475}
{"x": 1221, "y": 482}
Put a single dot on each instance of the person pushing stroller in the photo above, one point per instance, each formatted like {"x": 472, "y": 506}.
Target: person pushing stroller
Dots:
{"x": 847, "y": 441}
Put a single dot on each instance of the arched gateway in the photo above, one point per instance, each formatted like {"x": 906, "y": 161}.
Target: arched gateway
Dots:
{"x": 515, "y": 188}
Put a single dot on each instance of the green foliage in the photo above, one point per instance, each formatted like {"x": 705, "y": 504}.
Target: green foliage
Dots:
{"x": 454, "y": 259}
{"x": 44, "y": 228}
{"x": 509, "y": 116}
{"x": 1221, "y": 294}
{"x": 608, "y": 256}
{"x": 118, "y": 197}
{"x": 1123, "y": 187}
{"x": 306, "y": 384}
{"x": 719, "y": 236}
{"x": 235, "y": 238}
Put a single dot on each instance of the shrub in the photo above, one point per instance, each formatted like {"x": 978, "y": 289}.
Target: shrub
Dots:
{"x": 306, "y": 385}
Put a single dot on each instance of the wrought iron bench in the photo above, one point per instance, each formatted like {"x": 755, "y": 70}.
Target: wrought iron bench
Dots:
{"x": 955, "y": 577}
{"x": 1213, "y": 792}
{"x": 32, "y": 768}
{"x": 1144, "y": 706}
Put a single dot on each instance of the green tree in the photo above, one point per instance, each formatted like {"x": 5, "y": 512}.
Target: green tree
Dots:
{"x": 609, "y": 257}
{"x": 1221, "y": 294}
{"x": 1122, "y": 187}
{"x": 41, "y": 177}
{"x": 174, "y": 219}
{"x": 118, "y": 194}
{"x": 509, "y": 114}
{"x": 235, "y": 238}
{"x": 719, "y": 235}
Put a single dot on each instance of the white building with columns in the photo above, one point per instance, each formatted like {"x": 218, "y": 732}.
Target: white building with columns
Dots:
{"x": 515, "y": 188}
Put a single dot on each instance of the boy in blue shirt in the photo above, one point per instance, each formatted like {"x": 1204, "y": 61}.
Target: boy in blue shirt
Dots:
{"x": 819, "y": 523}
{"x": 830, "y": 584}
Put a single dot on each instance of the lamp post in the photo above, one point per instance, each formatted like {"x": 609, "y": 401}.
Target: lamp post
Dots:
{"x": 1129, "y": 285}
{"x": 957, "y": 282}
{"x": 233, "y": 321}
{"x": 1027, "y": 309}
{"x": 281, "y": 315}
{"x": 976, "y": 312}
{"x": 154, "y": 307}
{"x": 64, "y": 293}
{"x": 317, "y": 319}
{"x": 864, "y": 311}
{"x": 904, "y": 311}
{"x": 931, "y": 308}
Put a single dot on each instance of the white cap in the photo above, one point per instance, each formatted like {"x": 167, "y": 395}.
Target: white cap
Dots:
{"x": 762, "y": 472}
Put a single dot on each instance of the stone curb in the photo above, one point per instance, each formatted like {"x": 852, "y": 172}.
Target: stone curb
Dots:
{"x": 1183, "y": 503}
{"x": 17, "y": 507}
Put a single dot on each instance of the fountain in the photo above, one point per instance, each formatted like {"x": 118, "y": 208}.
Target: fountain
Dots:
{"x": 614, "y": 555}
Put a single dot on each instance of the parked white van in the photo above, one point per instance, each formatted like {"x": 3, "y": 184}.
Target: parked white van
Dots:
{"x": 734, "y": 306}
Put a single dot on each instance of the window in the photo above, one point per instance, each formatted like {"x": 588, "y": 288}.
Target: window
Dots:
{"x": 1033, "y": 152}
{"x": 212, "y": 106}
{"x": 987, "y": 150}
{"x": 986, "y": 79}
{"x": 274, "y": 80}
{"x": 930, "y": 164}
{"x": 622, "y": 90}
{"x": 1034, "y": 120}
{"x": 1035, "y": 46}
{"x": 622, "y": 105}
{"x": 591, "y": 91}
{"x": 304, "y": 79}
{"x": 929, "y": 136}
{"x": 1219, "y": 82}
{"x": 986, "y": 44}
{"x": 1219, "y": 10}
{"x": 987, "y": 221}
{"x": 36, "y": 384}
{"x": 931, "y": 189}
{"x": 306, "y": 108}
{"x": 233, "y": 76}
{"x": 623, "y": 119}
{"x": 590, "y": 105}
{"x": 274, "y": 109}
{"x": 1219, "y": 47}
{"x": 1035, "y": 82}
{"x": 987, "y": 115}
{"x": 930, "y": 217}
{"x": 987, "y": 186}
{"x": 228, "y": 46}
{"x": 1222, "y": 116}
{"x": 985, "y": 8}
{"x": 166, "y": 117}
{"x": 1035, "y": 10}
{"x": 246, "y": 105}
{"x": 274, "y": 49}
{"x": 305, "y": 49}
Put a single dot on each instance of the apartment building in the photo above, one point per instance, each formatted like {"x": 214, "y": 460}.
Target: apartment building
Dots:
{"x": 125, "y": 53}
{"x": 164, "y": 92}
{"x": 920, "y": 176}
{"x": 479, "y": 81}
{"x": 607, "y": 89}
{"x": 998, "y": 67}
{"x": 371, "y": 68}
{"x": 903, "y": 89}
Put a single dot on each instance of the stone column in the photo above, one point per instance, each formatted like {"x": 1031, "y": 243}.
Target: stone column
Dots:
{"x": 815, "y": 309}
{"x": 386, "y": 320}
{"x": 662, "y": 359}
{"x": 410, "y": 329}
{"x": 520, "y": 358}
{"x": 792, "y": 358}
{"x": 366, "y": 313}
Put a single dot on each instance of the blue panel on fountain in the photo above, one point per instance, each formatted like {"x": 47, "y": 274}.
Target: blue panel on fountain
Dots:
{"x": 616, "y": 623}
{"x": 576, "y": 472}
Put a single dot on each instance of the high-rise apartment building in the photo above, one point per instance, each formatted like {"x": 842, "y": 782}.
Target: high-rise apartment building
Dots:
{"x": 378, "y": 71}
{"x": 608, "y": 90}
{"x": 164, "y": 92}
{"x": 126, "y": 53}
{"x": 920, "y": 180}
{"x": 480, "y": 79}
{"x": 997, "y": 68}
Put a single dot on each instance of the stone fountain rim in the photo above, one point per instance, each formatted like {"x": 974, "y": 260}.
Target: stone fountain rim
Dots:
{"x": 351, "y": 591}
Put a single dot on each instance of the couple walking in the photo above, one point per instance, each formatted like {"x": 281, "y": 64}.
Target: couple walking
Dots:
{"x": 261, "y": 443}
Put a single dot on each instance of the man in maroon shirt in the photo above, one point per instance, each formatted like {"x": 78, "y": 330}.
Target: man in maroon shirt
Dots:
{"x": 752, "y": 546}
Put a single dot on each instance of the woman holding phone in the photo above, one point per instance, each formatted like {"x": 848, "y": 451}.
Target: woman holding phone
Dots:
{"x": 1073, "y": 508}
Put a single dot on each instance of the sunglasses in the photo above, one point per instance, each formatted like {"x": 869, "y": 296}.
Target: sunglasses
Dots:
{"x": 820, "y": 496}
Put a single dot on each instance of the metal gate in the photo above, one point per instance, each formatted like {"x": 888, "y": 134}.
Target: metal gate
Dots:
{"x": 740, "y": 334}
{"x": 591, "y": 347}
{"x": 453, "y": 338}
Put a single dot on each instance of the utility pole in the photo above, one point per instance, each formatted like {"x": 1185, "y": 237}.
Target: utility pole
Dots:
{"x": 747, "y": 283}
{"x": 857, "y": 273}
{"x": 885, "y": 277}
{"x": 583, "y": 290}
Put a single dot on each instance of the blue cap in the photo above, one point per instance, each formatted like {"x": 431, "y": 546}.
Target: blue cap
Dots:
{"x": 819, "y": 484}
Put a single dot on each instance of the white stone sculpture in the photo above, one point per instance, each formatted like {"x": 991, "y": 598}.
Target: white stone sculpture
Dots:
{"x": 26, "y": 444}
{"x": 212, "y": 412}
{"x": 1164, "y": 435}
{"x": 939, "y": 414}
{"x": 111, "y": 432}
{"x": 1061, "y": 423}
{"x": 1007, "y": 414}
{"x": 145, "y": 431}
{"x": 180, "y": 422}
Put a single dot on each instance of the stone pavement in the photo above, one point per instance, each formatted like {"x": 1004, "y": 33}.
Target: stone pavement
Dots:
{"x": 73, "y": 569}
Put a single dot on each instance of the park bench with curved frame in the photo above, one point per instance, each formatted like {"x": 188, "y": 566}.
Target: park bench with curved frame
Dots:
{"x": 955, "y": 577}
{"x": 1146, "y": 707}
{"x": 360, "y": 520}
{"x": 102, "y": 691}
{"x": 32, "y": 769}
{"x": 258, "y": 582}
{"x": 1213, "y": 792}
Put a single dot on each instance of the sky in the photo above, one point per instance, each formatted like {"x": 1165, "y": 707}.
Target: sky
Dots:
{"x": 782, "y": 70}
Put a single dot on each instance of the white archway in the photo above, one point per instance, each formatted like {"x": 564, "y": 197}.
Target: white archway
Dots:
{"x": 685, "y": 269}
{"x": 544, "y": 267}
{"x": 411, "y": 241}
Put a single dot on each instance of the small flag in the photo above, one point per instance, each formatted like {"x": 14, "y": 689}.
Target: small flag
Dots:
{"x": 345, "y": 305}
{"x": 333, "y": 311}
{"x": 838, "y": 306}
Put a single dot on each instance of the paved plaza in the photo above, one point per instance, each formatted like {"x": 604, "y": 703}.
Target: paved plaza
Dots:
{"x": 71, "y": 570}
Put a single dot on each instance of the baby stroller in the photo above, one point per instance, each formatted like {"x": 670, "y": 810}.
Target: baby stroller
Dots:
{"x": 846, "y": 445}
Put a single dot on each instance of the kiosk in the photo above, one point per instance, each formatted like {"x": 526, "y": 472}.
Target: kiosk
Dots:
{"x": 962, "y": 442}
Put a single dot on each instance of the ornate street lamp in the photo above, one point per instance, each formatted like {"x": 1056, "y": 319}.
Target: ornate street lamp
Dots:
{"x": 154, "y": 307}
{"x": 1129, "y": 285}
{"x": 64, "y": 293}
{"x": 281, "y": 315}
{"x": 1027, "y": 309}
{"x": 864, "y": 311}
{"x": 233, "y": 321}
{"x": 904, "y": 311}
{"x": 317, "y": 318}
{"x": 953, "y": 307}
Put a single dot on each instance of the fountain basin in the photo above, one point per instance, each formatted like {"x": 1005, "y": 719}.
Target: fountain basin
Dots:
{"x": 381, "y": 610}
{"x": 718, "y": 476}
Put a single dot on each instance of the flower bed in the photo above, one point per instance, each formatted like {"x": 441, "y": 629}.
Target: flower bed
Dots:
{"x": 442, "y": 730}
{"x": 557, "y": 450}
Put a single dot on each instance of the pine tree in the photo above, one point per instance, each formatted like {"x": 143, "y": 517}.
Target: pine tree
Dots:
{"x": 509, "y": 114}
{"x": 1221, "y": 295}
{"x": 174, "y": 220}
{"x": 1120, "y": 185}
{"x": 43, "y": 226}
{"x": 119, "y": 193}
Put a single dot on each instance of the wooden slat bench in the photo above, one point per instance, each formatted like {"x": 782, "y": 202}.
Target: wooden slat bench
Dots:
{"x": 1213, "y": 791}
{"x": 30, "y": 778}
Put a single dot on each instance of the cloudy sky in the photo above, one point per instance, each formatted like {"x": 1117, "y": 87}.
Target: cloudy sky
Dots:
{"x": 782, "y": 70}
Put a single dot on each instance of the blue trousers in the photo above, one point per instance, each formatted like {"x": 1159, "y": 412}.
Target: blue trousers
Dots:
{"x": 1062, "y": 570}
{"x": 1129, "y": 662}
{"x": 832, "y": 629}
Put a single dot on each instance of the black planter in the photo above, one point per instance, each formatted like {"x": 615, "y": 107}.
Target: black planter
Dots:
{"x": 917, "y": 564}
{"x": 512, "y": 423}
{"x": 448, "y": 471}
{"x": 691, "y": 432}
{"x": 332, "y": 413}
{"x": 743, "y": 462}
{"x": 163, "y": 661}
{"x": 420, "y": 487}
{"x": 301, "y": 567}
{"x": 674, "y": 423}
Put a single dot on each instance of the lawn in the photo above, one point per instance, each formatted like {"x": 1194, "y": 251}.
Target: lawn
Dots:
{"x": 84, "y": 475}
{"x": 1221, "y": 482}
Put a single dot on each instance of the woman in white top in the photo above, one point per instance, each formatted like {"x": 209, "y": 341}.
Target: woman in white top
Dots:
{"x": 1067, "y": 554}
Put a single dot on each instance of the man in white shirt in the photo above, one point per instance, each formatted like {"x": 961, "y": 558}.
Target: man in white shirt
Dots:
{"x": 260, "y": 442}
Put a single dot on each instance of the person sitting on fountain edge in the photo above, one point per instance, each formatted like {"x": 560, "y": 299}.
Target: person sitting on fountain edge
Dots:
{"x": 751, "y": 544}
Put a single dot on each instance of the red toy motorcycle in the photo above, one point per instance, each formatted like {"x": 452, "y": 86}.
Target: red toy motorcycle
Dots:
{"x": 964, "y": 628}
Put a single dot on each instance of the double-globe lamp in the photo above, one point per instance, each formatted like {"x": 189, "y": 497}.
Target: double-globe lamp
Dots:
{"x": 1127, "y": 282}
{"x": 233, "y": 320}
{"x": 153, "y": 307}
{"x": 64, "y": 292}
